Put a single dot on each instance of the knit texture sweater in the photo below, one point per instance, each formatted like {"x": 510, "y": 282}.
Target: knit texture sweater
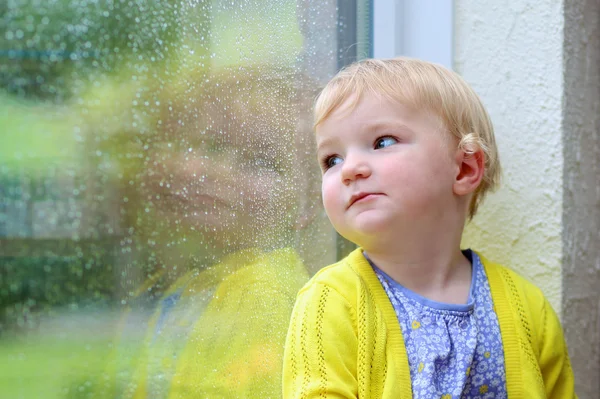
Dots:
{"x": 345, "y": 341}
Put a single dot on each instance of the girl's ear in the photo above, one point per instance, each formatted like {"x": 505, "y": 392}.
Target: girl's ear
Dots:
{"x": 471, "y": 166}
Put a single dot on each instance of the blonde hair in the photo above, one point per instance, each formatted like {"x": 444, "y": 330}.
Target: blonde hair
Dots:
{"x": 423, "y": 86}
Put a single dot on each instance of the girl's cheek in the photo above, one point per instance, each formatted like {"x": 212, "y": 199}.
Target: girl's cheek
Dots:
{"x": 330, "y": 196}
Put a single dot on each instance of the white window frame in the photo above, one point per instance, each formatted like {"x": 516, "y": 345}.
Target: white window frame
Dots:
{"x": 414, "y": 28}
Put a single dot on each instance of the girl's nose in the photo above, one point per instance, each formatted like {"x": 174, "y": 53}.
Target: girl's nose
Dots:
{"x": 355, "y": 167}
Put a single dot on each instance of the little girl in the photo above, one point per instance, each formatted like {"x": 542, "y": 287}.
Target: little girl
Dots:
{"x": 407, "y": 153}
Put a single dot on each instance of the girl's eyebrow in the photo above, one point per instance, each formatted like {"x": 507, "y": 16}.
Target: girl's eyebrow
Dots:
{"x": 325, "y": 143}
{"x": 388, "y": 125}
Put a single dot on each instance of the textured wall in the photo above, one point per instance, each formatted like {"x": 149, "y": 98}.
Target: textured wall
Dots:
{"x": 581, "y": 196}
{"x": 511, "y": 53}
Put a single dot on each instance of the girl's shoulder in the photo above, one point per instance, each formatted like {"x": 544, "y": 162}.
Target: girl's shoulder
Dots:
{"x": 349, "y": 276}
{"x": 520, "y": 304}
{"x": 504, "y": 280}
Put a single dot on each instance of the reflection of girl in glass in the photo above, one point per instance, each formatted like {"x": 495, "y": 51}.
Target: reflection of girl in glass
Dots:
{"x": 217, "y": 205}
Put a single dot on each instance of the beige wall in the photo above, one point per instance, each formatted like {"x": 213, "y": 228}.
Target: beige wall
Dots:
{"x": 536, "y": 65}
{"x": 512, "y": 55}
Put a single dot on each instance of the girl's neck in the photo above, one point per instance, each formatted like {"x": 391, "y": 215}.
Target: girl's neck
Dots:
{"x": 434, "y": 273}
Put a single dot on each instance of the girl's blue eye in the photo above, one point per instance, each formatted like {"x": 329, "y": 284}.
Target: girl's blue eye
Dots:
{"x": 383, "y": 142}
{"x": 331, "y": 161}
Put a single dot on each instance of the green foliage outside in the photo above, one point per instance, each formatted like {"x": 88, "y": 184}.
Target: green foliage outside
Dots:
{"x": 52, "y": 55}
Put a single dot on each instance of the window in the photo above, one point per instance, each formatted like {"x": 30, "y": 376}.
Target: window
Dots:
{"x": 415, "y": 28}
{"x": 159, "y": 199}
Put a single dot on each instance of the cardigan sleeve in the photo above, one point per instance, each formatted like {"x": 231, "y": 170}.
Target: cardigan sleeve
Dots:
{"x": 320, "y": 358}
{"x": 554, "y": 358}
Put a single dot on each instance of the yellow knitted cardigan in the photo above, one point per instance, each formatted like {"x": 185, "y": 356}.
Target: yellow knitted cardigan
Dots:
{"x": 345, "y": 341}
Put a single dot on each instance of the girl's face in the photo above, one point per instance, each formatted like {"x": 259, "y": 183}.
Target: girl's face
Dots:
{"x": 387, "y": 170}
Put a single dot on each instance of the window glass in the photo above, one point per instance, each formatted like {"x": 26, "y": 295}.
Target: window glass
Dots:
{"x": 159, "y": 195}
